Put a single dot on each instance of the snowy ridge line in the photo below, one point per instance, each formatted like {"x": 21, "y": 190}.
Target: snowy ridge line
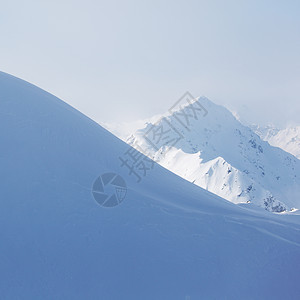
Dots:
{"x": 218, "y": 153}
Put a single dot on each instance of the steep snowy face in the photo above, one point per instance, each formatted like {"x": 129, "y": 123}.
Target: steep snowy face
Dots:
{"x": 287, "y": 139}
{"x": 218, "y": 153}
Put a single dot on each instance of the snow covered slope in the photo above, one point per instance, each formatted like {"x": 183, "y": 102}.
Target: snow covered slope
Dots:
{"x": 168, "y": 239}
{"x": 287, "y": 139}
{"x": 221, "y": 155}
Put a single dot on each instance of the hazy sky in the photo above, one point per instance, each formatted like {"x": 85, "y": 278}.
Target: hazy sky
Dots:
{"x": 125, "y": 60}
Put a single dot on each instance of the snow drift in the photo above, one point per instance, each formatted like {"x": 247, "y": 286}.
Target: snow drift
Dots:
{"x": 168, "y": 239}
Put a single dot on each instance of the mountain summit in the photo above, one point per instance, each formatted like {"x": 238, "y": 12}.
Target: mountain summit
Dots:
{"x": 212, "y": 149}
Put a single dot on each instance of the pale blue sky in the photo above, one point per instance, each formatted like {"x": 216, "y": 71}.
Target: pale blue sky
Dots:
{"x": 125, "y": 60}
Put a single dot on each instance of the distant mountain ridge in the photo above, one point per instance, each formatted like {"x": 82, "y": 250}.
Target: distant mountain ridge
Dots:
{"x": 287, "y": 139}
{"x": 220, "y": 154}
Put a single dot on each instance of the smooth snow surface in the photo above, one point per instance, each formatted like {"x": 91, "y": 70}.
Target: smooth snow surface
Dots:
{"x": 168, "y": 239}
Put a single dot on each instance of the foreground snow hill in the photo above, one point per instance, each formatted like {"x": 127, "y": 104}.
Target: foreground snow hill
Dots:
{"x": 216, "y": 152}
{"x": 168, "y": 239}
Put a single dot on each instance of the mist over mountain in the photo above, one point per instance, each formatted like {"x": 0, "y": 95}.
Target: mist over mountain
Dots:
{"x": 287, "y": 139}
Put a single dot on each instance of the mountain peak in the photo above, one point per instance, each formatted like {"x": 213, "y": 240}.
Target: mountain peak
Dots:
{"x": 248, "y": 173}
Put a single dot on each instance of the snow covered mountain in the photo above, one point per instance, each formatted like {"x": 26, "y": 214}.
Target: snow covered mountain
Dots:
{"x": 287, "y": 139}
{"x": 168, "y": 239}
{"x": 221, "y": 155}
